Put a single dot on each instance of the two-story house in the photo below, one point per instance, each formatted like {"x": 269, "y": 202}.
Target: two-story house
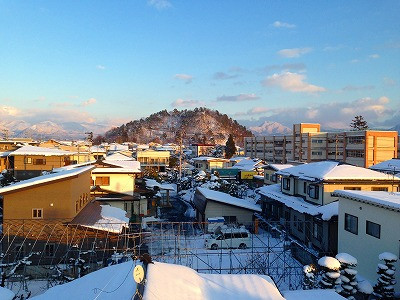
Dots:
{"x": 301, "y": 199}
{"x": 270, "y": 170}
{"x": 207, "y": 163}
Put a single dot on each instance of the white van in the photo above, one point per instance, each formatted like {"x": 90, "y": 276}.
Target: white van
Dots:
{"x": 229, "y": 237}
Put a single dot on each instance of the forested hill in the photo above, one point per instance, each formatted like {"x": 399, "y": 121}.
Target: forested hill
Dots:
{"x": 201, "y": 125}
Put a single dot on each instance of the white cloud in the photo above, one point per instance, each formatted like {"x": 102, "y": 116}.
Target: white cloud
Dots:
{"x": 389, "y": 81}
{"x": 253, "y": 111}
{"x": 89, "y": 102}
{"x": 185, "y": 77}
{"x": 279, "y": 24}
{"x": 374, "y": 56}
{"x": 9, "y": 111}
{"x": 239, "y": 98}
{"x": 100, "y": 67}
{"x": 159, "y": 4}
{"x": 187, "y": 103}
{"x": 292, "y": 82}
{"x": 224, "y": 76}
{"x": 354, "y": 61}
{"x": 294, "y": 52}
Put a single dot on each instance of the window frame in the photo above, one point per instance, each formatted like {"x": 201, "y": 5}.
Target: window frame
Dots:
{"x": 315, "y": 188}
{"x": 371, "y": 233}
{"x": 286, "y": 183}
{"x": 36, "y": 211}
{"x": 347, "y": 225}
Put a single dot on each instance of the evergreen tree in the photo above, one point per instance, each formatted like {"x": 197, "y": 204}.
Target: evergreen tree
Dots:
{"x": 330, "y": 275}
{"x": 384, "y": 288}
{"x": 348, "y": 274}
{"x": 230, "y": 148}
{"x": 358, "y": 123}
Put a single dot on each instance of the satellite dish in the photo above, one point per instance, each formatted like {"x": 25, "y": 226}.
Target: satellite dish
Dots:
{"x": 138, "y": 274}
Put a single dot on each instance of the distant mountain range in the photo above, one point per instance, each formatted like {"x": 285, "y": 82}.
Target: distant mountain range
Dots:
{"x": 200, "y": 125}
{"x": 48, "y": 129}
{"x": 270, "y": 128}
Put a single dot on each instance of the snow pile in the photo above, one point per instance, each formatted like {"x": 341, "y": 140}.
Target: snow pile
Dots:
{"x": 312, "y": 294}
{"x": 6, "y": 294}
{"x": 330, "y": 275}
{"x": 348, "y": 275}
{"x": 114, "y": 282}
{"x": 365, "y": 287}
{"x": 167, "y": 281}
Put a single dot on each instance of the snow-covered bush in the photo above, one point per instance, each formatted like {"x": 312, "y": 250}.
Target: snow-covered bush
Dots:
{"x": 365, "y": 288}
{"x": 329, "y": 270}
{"x": 309, "y": 279}
{"x": 348, "y": 274}
{"x": 384, "y": 287}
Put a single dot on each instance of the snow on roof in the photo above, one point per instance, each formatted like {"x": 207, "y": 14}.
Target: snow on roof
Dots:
{"x": 312, "y": 294}
{"x": 151, "y": 183}
{"x": 6, "y": 294}
{"x": 209, "y": 158}
{"x": 97, "y": 149}
{"x": 385, "y": 199}
{"x": 74, "y": 166}
{"x": 45, "y": 179}
{"x": 247, "y": 164}
{"x": 118, "y": 156}
{"x": 297, "y": 203}
{"x": 387, "y": 256}
{"x": 126, "y": 164}
{"x": 102, "y": 217}
{"x": 332, "y": 170}
{"x": 391, "y": 165}
{"x": 33, "y": 150}
{"x": 5, "y": 154}
{"x": 107, "y": 283}
{"x": 168, "y": 281}
{"x": 228, "y": 199}
{"x": 278, "y": 167}
{"x": 238, "y": 158}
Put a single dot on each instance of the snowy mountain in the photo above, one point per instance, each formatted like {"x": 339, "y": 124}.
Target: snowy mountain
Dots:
{"x": 201, "y": 125}
{"x": 49, "y": 129}
{"x": 271, "y": 128}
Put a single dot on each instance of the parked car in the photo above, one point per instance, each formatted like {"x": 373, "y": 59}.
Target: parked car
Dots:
{"x": 229, "y": 237}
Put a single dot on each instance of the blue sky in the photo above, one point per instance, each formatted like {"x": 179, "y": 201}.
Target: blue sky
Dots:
{"x": 114, "y": 61}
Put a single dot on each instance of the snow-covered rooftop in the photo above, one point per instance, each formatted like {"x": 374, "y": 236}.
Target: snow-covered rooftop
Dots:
{"x": 126, "y": 164}
{"x": 332, "y": 170}
{"x": 33, "y": 150}
{"x": 6, "y": 294}
{"x": 168, "y": 281}
{"x": 210, "y": 158}
{"x": 312, "y": 294}
{"x": 228, "y": 199}
{"x": 118, "y": 156}
{"x": 384, "y": 199}
{"x": 248, "y": 164}
{"x": 278, "y": 167}
{"x": 102, "y": 217}
{"x": 151, "y": 183}
{"x": 297, "y": 203}
{"x": 45, "y": 179}
{"x": 391, "y": 165}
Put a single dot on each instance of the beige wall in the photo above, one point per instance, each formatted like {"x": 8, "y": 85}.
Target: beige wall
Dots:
{"x": 51, "y": 162}
{"x": 120, "y": 183}
{"x": 367, "y": 248}
{"x": 58, "y": 199}
{"x": 216, "y": 209}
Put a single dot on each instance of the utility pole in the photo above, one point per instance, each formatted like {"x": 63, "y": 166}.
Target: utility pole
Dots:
{"x": 90, "y": 140}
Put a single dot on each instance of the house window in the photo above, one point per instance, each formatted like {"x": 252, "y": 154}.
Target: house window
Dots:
{"x": 351, "y": 223}
{"x": 49, "y": 250}
{"x": 37, "y": 213}
{"x": 28, "y": 160}
{"x": 39, "y": 161}
{"x": 378, "y": 188}
{"x": 355, "y": 153}
{"x": 352, "y": 188}
{"x": 313, "y": 191}
{"x": 373, "y": 229}
{"x": 300, "y": 225}
{"x": 102, "y": 180}
{"x": 273, "y": 178}
{"x": 266, "y": 176}
{"x": 305, "y": 187}
{"x": 286, "y": 184}
{"x": 316, "y": 152}
{"x": 317, "y": 230}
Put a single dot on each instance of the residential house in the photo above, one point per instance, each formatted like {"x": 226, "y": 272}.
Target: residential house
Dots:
{"x": 270, "y": 170}
{"x": 309, "y": 144}
{"x": 206, "y": 163}
{"x": 310, "y": 187}
{"x": 31, "y": 161}
{"x": 201, "y": 149}
{"x": 152, "y": 159}
{"x": 368, "y": 226}
{"x": 211, "y": 204}
{"x": 391, "y": 166}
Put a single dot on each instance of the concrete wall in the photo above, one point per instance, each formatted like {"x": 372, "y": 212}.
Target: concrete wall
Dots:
{"x": 120, "y": 183}
{"x": 367, "y": 248}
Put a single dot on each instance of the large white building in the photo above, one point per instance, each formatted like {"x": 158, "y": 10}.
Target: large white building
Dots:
{"x": 369, "y": 224}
